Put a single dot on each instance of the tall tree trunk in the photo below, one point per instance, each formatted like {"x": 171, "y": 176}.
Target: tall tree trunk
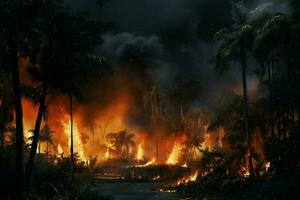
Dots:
{"x": 36, "y": 135}
{"x": 246, "y": 110}
{"x": 19, "y": 123}
{"x": 271, "y": 99}
{"x": 154, "y": 119}
{"x": 47, "y": 151}
{"x": 14, "y": 62}
{"x": 39, "y": 147}
{"x": 2, "y": 130}
{"x": 71, "y": 147}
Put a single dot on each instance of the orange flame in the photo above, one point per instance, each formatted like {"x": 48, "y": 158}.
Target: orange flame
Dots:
{"x": 192, "y": 178}
{"x": 174, "y": 156}
{"x": 59, "y": 149}
{"x": 184, "y": 165}
{"x": 107, "y": 154}
{"x": 268, "y": 165}
{"x": 140, "y": 153}
{"x": 151, "y": 162}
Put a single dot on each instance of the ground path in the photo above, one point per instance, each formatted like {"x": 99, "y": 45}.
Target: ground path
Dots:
{"x": 120, "y": 189}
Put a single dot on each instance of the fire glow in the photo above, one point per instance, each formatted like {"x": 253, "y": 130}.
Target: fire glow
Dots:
{"x": 90, "y": 137}
{"x": 140, "y": 153}
{"x": 192, "y": 178}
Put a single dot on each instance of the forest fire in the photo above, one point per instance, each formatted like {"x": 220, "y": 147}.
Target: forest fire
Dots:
{"x": 200, "y": 101}
{"x": 110, "y": 137}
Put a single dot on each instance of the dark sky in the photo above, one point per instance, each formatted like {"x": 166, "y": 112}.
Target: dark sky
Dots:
{"x": 176, "y": 36}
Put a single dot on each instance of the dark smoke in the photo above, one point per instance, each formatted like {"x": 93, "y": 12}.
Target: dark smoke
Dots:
{"x": 169, "y": 42}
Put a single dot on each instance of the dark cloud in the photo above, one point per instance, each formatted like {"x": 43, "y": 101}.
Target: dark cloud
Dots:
{"x": 116, "y": 45}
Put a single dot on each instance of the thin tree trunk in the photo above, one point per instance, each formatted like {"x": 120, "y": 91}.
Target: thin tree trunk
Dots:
{"x": 19, "y": 124}
{"x": 271, "y": 100}
{"x": 154, "y": 119}
{"x": 39, "y": 147}
{"x": 246, "y": 110}
{"x": 14, "y": 61}
{"x": 2, "y": 130}
{"x": 47, "y": 147}
{"x": 71, "y": 147}
{"x": 36, "y": 134}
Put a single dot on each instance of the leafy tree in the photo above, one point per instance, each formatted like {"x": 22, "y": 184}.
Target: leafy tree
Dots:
{"x": 193, "y": 143}
{"x": 235, "y": 43}
{"x": 271, "y": 43}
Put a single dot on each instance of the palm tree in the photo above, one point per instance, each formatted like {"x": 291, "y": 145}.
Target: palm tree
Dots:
{"x": 45, "y": 136}
{"x": 17, "y": 31}
{"x": 122, "y": 141}
{"x": 273, "y": 40}
{"x": 194, "y": 143}
{"x": 234, "y": 45}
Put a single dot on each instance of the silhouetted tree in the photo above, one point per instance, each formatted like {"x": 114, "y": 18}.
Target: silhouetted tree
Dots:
{"x": 234, "y": 45}
{"x": 17, "y": 36}
{"x": 121, "y": 141}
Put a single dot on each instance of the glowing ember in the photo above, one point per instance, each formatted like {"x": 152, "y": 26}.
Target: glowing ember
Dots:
{"x": 167, "y": 191}
{"x": 140, "y": 153}
{"x": 184, "y": 165}
{"x": 268, "y": 165}
{"x": 156, "y": 178}
{"x": 245, "y": 172}
{"x": 191, "y": 178}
